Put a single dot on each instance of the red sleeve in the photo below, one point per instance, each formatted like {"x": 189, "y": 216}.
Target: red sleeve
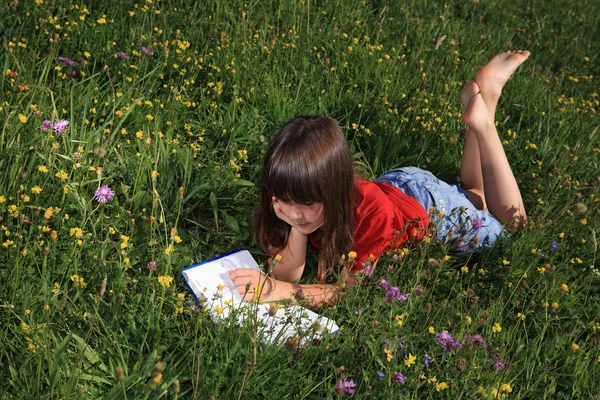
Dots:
{"x": 384, "y": 216}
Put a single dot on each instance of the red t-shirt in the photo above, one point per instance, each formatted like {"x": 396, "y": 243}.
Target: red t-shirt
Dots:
{"x": 384, "y": 216}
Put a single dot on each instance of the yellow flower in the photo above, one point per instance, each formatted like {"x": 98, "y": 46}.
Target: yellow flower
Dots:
{"x": 169, "y": 249}
{"x": 521, "y": 316}
{"x": 27, "y": 312}
{"x": 36, "y": 190}
{"x": 496, "y": 328}
{"x": 441, "y": 386}
{"x": 2, "y": 199}
{"x": 154, "y": 174}
{"x": 278, "y": 257}
{"x": 469, "y": 320}
{"x": 431, "y": 330}
{"x": 352, "y": 255}
{"x": 388, "y": 354}
{"x": 410, "y": 360}
{"x": 61, "y": 175}
{"x": 220, "y": 287}
{"x": 564, "y": 287}
{"x": 77, "y": 232}
{"x": 48, "y": 213}
{"x": 22, "y": 118}
{"x": 505, "y": 387}
{"x": 102, "y": 21}
{"x": 219, "y": 310}
{"x": 574, "y": 347}
{"x": 42, "y": 169}
{"x": 165, "y": 280}
{"x": 554, "y": 305}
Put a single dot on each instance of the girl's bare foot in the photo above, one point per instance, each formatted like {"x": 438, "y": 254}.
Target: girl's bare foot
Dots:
{"x": 476, "y": 114}
{"x": 492, "y": 76}
{"x": 468, "y": 91}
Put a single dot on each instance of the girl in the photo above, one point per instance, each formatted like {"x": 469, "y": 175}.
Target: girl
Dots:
{"x": 309, "y": 194}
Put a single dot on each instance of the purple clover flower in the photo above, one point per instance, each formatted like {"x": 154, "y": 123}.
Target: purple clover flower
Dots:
{"x": 477, "y": 223}
{"x": 122, "y": 55}
{"x": 67, "y": 61}
{"x": 392, "y": 292}
{"x": 448, "y": 343}
{"x": 46, "y": 125}
{"x": 151, "y": 265}
{"x": 104, "y": 194}
{"x": 345, "y": 385}
{"x": 498, "y": 363}
{"x": 554, "y": 245}
{"x": 60, "y": 126}
{"x": 476, "y": 340}
{"x": 148, "y": 52}
{"x": 369, "y": 271}
{"x": 398, "y": 377}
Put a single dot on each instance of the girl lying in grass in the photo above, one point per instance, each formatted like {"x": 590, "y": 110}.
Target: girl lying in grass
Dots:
{"x": 309, "y": 194}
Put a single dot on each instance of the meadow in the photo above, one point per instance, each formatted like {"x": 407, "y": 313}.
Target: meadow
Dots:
{"x": 130, "y": 145}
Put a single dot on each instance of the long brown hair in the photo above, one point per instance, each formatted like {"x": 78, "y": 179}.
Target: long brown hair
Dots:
{"x": 309, "y": 161}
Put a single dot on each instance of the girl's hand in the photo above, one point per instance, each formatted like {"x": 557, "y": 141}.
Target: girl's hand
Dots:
{"x": 277, "y": 208}
{"x": 251, "y": 283}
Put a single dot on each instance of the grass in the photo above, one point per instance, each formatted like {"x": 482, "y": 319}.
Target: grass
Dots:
{"x": 178, "y": 131}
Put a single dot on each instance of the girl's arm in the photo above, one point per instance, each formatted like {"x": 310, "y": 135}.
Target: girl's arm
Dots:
{"x": 250, "y": 283}
{"x": 293, "y": 258}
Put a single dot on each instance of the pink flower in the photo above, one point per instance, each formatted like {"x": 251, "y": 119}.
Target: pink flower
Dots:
{"x": 346, "y": 385}
{"x": 148, "y": 52}
{"x": 104, "y": 194}
{"x": 46, "y": 124}
{"x": 60, "y": 126}
{"x": 477, "y": 223}
{"x": 122, "y": 55}
{"x": 151, "y": 265}
{"x": 67, "y": 61}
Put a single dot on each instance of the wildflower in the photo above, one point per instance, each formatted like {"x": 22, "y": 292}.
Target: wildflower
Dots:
{"x": 497, "y": 328}
{"x": 392, "y": 292}
{"x": 151, "y": 265}
{"x": 564, "y": 287}
{"x": 36, "y": 190}
{"x": 369, "y": 271}
{"x": 165, "y": 280}
{"x": 46, "y": 124}
{"x": 498, "y": 363}
{"x": 476, "y": 341}
{"x": 60, "y": 126}
{"x": 388, "y": 354}
{"x": 477, "y": 223}
{"x": 574, "y": 347}
{"x": 554, "y": 245}
{"x": 148, "y": 52}
{"x": 345, "y": 385}
{"x": 122, "y": 55}
{"x": 448, "y": 343}
{"x": 42, "y": 169}
{"x": 278, "y": 257}
{"x": 352, "y": 255}
{"x": 380, "y": 375}
{"x": 505, "y": 387}
{"x": 398, "y": 377}
{"x": 410, "y": 360}
{"x": 426, "y": 360}
{"x": 67, "y": 61}
{"x": 104, "y": 194}
{"x": 22, "y": 118}
{"x": 441, "y": 386}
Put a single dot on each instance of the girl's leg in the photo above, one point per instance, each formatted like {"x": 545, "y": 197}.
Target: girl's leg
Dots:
{"x": 490, "y": 80}
{"x": 471, "y": 176}
{"x": 502, "y": 194}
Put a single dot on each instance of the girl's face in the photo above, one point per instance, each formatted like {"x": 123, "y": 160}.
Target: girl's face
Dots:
{"x": 307, "y": 218}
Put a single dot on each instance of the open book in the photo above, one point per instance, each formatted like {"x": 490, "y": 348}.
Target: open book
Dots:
{"x": 210, "y": 284}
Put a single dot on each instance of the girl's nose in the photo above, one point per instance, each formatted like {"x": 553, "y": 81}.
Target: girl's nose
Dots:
{"x": 295, "y": 212}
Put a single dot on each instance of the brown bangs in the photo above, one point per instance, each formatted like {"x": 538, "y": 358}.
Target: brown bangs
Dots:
{"x": 299, "y": 183}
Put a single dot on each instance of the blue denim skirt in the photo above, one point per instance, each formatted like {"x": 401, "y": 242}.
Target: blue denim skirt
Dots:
{"x": 455, "y": 220}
